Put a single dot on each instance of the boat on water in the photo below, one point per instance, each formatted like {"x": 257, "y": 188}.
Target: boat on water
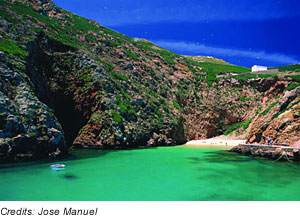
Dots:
{"x": 58, "y": 166}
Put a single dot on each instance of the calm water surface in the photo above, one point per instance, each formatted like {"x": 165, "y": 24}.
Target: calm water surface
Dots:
{"x": 164, "y": 173}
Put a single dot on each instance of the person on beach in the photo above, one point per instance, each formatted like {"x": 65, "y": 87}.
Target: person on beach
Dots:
{"x": 269, "y": 140}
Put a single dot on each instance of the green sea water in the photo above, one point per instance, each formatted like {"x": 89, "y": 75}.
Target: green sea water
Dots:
{"x": 164, "y": 173}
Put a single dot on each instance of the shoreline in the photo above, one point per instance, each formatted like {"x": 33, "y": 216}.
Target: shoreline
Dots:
{"x": 228, "y": 143}
{"x": 273, "y": 152}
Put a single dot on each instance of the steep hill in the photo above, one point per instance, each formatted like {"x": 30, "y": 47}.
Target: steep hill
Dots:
{"x": 68, "y": 81}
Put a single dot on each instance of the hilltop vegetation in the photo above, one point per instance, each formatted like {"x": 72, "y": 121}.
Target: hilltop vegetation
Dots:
{"x": 69, "y": 81}
{"x": 207, "y": 59}
{"x": 295, "y": 68}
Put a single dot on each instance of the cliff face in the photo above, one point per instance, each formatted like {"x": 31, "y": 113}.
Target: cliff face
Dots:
{"x": 68, "y": 81}
{"x": 281, "y": 122}
{"x": 27, "y": 125}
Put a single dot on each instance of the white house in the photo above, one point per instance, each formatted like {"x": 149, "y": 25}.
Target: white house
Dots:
{"x": 257, "y": 68}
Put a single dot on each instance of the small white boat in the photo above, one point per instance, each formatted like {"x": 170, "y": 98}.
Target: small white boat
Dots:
{"x": 57, "y": 166}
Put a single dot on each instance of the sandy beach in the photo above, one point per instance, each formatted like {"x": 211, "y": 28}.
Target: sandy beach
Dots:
{"x": 216, "y": 142}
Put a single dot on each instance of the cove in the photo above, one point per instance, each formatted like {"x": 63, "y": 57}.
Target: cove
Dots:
{"x": 165, "y": 173}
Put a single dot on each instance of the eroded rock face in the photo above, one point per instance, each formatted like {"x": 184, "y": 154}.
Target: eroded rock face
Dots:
{"x": 281, "y": 123}
{"x": 26, "y": 124}
{"x": 90, "y": 104}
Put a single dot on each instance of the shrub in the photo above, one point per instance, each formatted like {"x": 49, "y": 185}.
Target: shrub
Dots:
{"x": 130, "y": 54}
{"x": 230, "y": 128}
{"x": 9, "y": 46}
{"x": 294, "y": 77}
{"x": 116, "y": 117}
{"x": 118, "y": 76}
{"x": 176, "y": 105}
{"x": 292, "y": 86}
{"x": 247, "y": 123}
{"x": 123, "y": 107}
{"x": 175, "y": 122}
{"x": 295, "y": 67}
{"x": 132, "y": 112}
{"x": 244, "y": 98}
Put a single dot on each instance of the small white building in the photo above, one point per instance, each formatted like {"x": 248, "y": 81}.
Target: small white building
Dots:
{"x": 257, "y": 68}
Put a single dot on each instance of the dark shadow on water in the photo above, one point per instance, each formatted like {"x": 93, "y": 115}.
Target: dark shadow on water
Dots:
{"x": 225, "y": 156}
{"x": 195, "y": 159}
{"x": 69, "y": 177}
{"x": 220, "y": 157}
{"x": 206, "y": 197}
{"x": 74, "y": 154}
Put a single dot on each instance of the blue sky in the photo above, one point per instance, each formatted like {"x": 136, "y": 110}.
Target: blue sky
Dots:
{"x": 243, "y": 32}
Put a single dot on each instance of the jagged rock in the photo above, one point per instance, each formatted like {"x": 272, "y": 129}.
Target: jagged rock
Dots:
{"x": 21, "y": 115}
{"x": 284, "y": 127}
{"x": 267, "y": 152}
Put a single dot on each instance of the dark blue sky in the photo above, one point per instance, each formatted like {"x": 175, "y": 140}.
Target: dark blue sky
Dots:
{"x": 242, "y": 32}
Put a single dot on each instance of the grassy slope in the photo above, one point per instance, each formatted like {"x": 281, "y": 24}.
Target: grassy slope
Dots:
{"x": 67, "y": 34}
{"x": 294, "y": 67}
{"x": 207, "y": 59}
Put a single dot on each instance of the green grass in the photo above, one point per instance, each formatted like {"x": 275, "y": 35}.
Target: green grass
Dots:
{"x": 22, "y": 9}
{"x": 118, "y": 76}
{"x": 218, "y": 68}
{"x": 294, "y": 77}
{"x": 269, "y": 108}
{"x": 207, "y": 59}
{"x": 67, "y": 33}
{"x": 213, "y": 69}
{"x": 245, "y": 98}
{"x": 176, "y": 105}
{"x": 247, "y": 123}
{"x": 123, "y": 108}
{"x": 169, "y": 56}
{"x": 8, "y": 16}
{"x": 116, "y": 117}
{"x": 292, "y": 86}
{"x": 130, "y": 54}
{"x": 9, "y": 46}
{"x": 222, "y": 68}
{"x": 230, "y": 128}
{"x": 107, "y": 65}
{"x": 294, "y": 67}
{"x": 132, "y": 112}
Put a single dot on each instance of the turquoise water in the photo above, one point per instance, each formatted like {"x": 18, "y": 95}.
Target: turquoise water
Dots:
{"x": 164, "y": 173}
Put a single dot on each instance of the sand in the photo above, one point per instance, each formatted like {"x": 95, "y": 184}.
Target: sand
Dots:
{"x": 215, "y": 142}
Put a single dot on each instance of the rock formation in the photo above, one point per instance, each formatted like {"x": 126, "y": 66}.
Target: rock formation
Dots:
{"x": 68, "y": 81}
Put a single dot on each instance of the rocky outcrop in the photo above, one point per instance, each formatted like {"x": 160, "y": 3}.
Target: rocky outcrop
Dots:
{"x": 27, "y": 126}
{"x": 271, "y": 152}
{"x": 281, "y": 122}
{"x": 45, "y": 7}
{"x": 107, "y": 101}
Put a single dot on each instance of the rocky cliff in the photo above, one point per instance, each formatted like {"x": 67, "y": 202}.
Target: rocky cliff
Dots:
{"x": 68, "y": 81}
{"x": 281, "y": 121}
